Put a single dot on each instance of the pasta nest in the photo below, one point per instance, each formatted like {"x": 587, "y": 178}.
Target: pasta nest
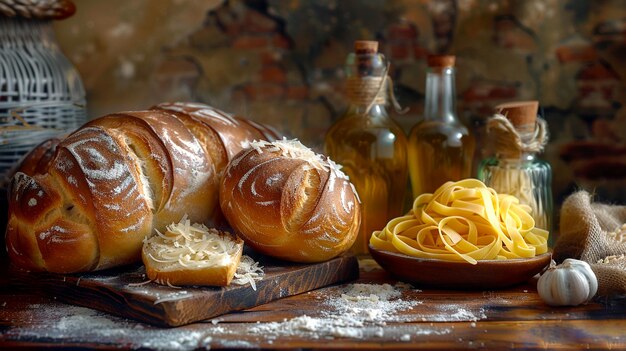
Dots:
{"x": 464, "y": 221}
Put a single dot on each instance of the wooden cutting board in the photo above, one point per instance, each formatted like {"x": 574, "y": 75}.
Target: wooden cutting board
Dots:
{"x": 116, "y": 292}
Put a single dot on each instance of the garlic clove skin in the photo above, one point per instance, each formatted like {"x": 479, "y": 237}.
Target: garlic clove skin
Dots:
{"x": 568, "y": 284}
{"x": 586, "y": 270}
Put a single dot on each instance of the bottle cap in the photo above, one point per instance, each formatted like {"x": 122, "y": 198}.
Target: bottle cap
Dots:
{"x": 522, "y": 114}
{"x": 441, "y": 61}
{"x": 366, "y": 46}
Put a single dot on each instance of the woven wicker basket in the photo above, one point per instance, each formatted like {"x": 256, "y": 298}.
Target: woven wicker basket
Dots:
{"x": 41, "y": 94}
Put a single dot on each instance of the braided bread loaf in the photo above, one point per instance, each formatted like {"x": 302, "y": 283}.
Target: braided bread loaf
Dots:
{"x": 89, "y": 204}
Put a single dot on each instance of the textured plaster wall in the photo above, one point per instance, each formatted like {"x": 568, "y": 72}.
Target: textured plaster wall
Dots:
{"x": 280, "y": 62}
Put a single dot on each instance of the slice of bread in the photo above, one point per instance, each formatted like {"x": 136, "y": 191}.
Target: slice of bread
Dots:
{"x": 192, "y": 254}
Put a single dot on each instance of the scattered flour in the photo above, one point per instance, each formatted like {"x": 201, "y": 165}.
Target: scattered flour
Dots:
{"x": 65, "y": 323}
{"x": 349, "y": 311}
{"x": 353, "y": 310}
{"x": 463, "y": 315}
{"x": 457, "y": 313}
{"x": 420, "y": 332}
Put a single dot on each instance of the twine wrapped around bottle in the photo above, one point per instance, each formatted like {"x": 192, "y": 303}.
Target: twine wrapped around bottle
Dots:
{"x": 511, "y": 140}
{"x": 510, "y": 143}
{"x": 370, "y": 91}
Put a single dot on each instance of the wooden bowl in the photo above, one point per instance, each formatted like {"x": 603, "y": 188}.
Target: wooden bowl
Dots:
{"x": 432, "y": 273}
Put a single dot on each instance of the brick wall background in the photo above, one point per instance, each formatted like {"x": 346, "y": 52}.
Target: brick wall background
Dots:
{"x": 281, "y": 62}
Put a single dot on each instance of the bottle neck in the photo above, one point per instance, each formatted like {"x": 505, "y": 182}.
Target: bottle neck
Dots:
{"x": 376, "y": 111}
{"x": 523, "y": 158}
{"x": 440, "y": 101}
{"x": 366, "y": 86}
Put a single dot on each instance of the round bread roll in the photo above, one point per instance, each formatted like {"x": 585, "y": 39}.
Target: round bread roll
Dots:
{"x": 290, "y": 203}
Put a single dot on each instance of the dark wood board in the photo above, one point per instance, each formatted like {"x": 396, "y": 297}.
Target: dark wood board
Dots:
{"x": 116, "y": 292}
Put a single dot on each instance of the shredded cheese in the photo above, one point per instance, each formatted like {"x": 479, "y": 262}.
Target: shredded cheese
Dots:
{"x": 295, "y": 149}
{"x": 464, "y": 221}
{"x": 191, "y": 245}
{"x": 248, "y": 272}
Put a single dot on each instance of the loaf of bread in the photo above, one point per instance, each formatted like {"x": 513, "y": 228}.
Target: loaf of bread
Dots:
{"x": 191, "y": 254}
{"x": 288, "y": 202}
{"x": 90, "y": 204}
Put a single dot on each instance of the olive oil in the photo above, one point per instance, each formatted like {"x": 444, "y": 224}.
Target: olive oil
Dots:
{"x": 370, "y": 146}
{"x": 441, "y": 148}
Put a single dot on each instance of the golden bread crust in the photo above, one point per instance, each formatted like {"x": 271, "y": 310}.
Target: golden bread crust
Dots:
{"x": 284, "y": 207}
{"x": 88, "y": 202}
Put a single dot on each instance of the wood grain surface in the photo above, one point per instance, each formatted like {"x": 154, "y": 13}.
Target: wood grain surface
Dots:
{"x": 117, "y": 291}
{"x": 514, "y": 318}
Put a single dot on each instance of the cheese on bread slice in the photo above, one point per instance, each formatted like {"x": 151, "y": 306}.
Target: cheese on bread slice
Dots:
{"x": 192, "y": 254}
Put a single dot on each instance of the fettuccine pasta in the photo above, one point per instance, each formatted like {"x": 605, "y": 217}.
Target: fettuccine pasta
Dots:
{"x": 464, "y": 221}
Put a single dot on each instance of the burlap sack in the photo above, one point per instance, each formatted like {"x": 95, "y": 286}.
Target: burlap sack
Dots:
{"x": 588, "y": 232}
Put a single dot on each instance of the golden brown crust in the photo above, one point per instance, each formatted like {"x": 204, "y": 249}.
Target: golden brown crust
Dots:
{"x": 104, "y": 188}
{"x": 284, "y": 207}
{"x": 268, "y": 133}
{"x": 22, "y": 247}
{"x": 225, "y": 135}
{"x": 111, "y": 183}
{"x": 231, "y": 131}
{"x": 59, "y": 242}
{"x": 37, "y": 161}
{"x": 209, "y": 138}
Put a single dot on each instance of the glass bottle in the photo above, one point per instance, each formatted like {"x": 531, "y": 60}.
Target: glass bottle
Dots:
{"x": 441, "y": 148}
{"x": 516, "y": 171}
{"x": 369, "y": 144}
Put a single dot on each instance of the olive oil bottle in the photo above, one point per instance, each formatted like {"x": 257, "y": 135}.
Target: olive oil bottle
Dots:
{"x": 371, "y": 147}
{"x": 440, "y": 146}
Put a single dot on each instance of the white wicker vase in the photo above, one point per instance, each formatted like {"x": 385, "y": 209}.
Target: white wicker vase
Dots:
{"x": 41, "y": 94}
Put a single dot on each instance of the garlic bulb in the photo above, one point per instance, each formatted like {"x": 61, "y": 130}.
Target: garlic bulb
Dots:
{"x": 569, "y": 284}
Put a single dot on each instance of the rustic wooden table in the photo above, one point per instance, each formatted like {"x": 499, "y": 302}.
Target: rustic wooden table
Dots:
{"x": 514, "y": 318}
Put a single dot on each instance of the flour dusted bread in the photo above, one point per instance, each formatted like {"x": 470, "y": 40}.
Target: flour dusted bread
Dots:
{"x": 191, "y": 254}
{"x": 288, "y": 202}
{"x": 115, "y": 180}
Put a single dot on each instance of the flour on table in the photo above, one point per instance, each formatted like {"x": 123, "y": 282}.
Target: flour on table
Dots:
{"x": 64, "y": 323}
{"x": 445, "y": 331}
{"x": 458, "y": 313}
{"x": 350, "y": 312}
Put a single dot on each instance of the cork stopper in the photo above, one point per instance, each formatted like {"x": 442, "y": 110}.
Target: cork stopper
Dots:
{"x": 366, "y": 46}
{"x": 441, "y": 61}
{"x": 522, "y": 114}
